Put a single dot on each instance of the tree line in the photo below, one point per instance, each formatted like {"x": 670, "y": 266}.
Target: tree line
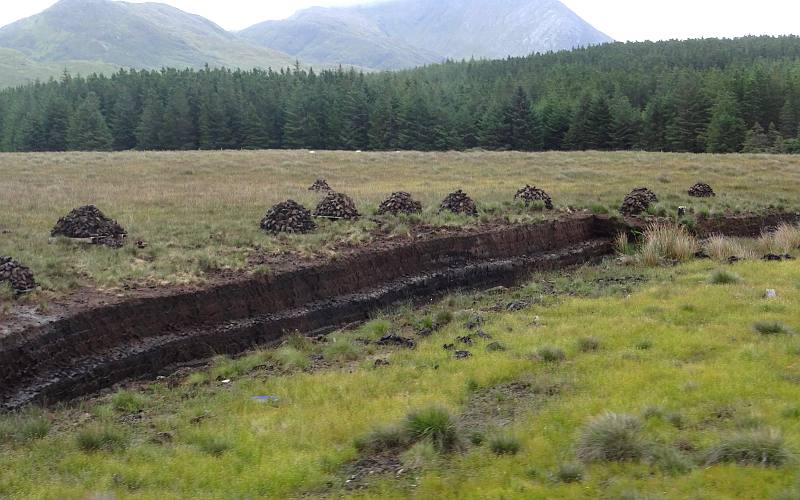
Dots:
{"x": 712, "y": 95}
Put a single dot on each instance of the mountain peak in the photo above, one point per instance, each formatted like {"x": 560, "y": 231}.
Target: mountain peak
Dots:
{"x": 123, "y": 34}
{"x": 404, "y": 33}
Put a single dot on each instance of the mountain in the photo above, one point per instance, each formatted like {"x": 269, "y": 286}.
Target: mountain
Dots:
{"x": 106, "y": 33}
{"x": 404, "y": 33}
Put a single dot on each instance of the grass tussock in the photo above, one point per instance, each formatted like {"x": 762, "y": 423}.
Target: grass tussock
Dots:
{"x": 550, "y": 354}
{"x": 588, "y": 344}
{"x": 435, "y": 424}
{"x": 128, "y": 401}
{"x": 772, "y": 328}
{"x": 568, "y": 473}
{"x": 342, "y": 350}
{"x": 212, "y": 444}
{"x": 291, "y": 358}
{"x": 724, "y": 277}
{"x": 720, "y": 248}
{"x": 611, "y": 437}
{"x": 432, "y": 424}
{"x": 783, "y": 240}
{"x": 101, "y": 438}
{"x": 762, "y": 447}
{"x": 505, "y": 445}
{"x": 24, "y": 427}
{"x": 383, "y": 439}
{"x": 666, "y": 242}
{"x": 623, "y": 244}
{"x": 669, "y": 459}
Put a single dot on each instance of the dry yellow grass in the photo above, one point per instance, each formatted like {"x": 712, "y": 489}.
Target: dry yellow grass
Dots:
{"x": 200, "y": 210}
{"x": 667, "y": 242}
{"x": 722, "y": 247}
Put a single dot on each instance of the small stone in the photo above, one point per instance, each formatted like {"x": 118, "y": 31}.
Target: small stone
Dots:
{"x": 771, "y": 293}
{"x": 462, "y": 354}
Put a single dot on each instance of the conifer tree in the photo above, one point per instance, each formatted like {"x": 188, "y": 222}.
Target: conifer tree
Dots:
{"x": 254, "y": 133}
{"x": 726, "y": 132}
{"x": 56, "y": 123}
{"x": 125, "y": 117}
{"x": 356, "y": 123}
{"x": 149, "y": 130}
{"x": 756, "y": 140}
{"x": 626, "y": 124}
{"x": 177, "y": 132}
{"x": 687, "y": 130}
{"x": 555, "y": 123}
{"x": 598, "y": 125}
{"x": 87, "y": 129}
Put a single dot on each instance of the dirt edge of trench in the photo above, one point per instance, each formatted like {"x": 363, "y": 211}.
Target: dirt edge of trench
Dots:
{"x": 97, "y": 348}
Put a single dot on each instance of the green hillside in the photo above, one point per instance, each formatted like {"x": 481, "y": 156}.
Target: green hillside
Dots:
{"x": 105, "y": 35}
{"x": 406, "y": 33}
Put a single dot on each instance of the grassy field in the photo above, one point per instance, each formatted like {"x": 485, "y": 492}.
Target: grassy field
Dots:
{"x": 199, "y": 212}
{"x": 699, "y": 371}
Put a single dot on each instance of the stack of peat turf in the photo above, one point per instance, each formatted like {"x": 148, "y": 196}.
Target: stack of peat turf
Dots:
{"x": 638, "y": 201}
{"x": 88, "y": 222}
{"x": 320, "y": 185}
{"x": 701, "y": 190}
{"x": 19, "y": 276}
{"x": 459, "y": 203}
{"x": 400, "y": 203}
{"x": 533, "y": 194}
{"x": 337, "y": 206}
{"x": 288, "y": 217}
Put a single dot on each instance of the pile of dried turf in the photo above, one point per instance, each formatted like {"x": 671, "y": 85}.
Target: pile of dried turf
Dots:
{"x": 701, "y": 190}
{"x": 638, "y": 201}
{"x": 533, "y": 194}
{"x": 20, "y": 277}
{"x": 337, "y": 206}
{"x": 288, "y": 217}
{"x": 320, "y": 185}
{"x": 459, "y": 203}
{"x": 400, "y": 203}
{"x": 89, "y": 222}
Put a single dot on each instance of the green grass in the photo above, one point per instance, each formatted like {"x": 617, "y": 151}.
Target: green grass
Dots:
{"x": 724, "y": 277}
{"x": 504, "y": 445}
{"x": 199, "y": 212}
{"x": 710, "y": 411}
{"x": 772, "y": 328}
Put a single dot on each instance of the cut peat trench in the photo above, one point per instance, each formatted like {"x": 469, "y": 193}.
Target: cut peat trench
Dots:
{"x": 95, "y": 349}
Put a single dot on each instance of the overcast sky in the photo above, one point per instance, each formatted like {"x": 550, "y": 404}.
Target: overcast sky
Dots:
{"x": 621, "y": 19}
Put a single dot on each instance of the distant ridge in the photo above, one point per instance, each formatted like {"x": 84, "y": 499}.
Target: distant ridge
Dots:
{"x": 103, "y": 34}
{"x": 405, "y": 33}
